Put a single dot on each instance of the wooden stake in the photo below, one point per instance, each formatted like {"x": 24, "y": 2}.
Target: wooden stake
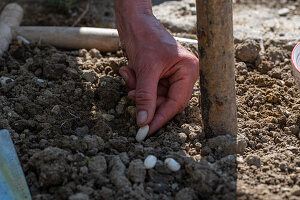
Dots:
{"x": 216, "y": 57}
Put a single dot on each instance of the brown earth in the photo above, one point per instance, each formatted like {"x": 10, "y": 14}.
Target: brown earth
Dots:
{"x": 74, "y": 128}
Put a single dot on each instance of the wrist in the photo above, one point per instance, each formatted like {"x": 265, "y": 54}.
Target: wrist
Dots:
{"x": 131, "y": 9}
{"x": 132, "y": 17}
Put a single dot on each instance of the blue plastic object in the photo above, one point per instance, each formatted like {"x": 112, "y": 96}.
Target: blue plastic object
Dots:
{"x": 13, "y": 185}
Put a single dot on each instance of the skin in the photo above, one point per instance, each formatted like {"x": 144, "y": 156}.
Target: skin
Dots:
{"x": 161, "y": 73}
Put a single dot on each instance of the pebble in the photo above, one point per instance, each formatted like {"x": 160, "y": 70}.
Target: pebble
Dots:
{"x": 182, "y": 138}
{"x": 89, "y": 75}
{"x": 132, "y": 111}
{"x": 142, "y": 133}
{"x": 82, "y": 130}
{"x": 95, "y": 53}
{"x": 296, "y": 191}
{"x": 239, "y": 160}
{"x": 150, "y": 162}
{"x": 186, "y": 194}
{"x": 108, "y": 117}
{"x": 97, "y": 164}
{"x": 4, "y": 80}
{"x": 79, "y": 196}
{"x": 40, "y": 80}
{"x": 283, "y": 11}
{"x": 136, "y": 171}
{"x": 172, "y": 164}
{"x": 253, "y": 160}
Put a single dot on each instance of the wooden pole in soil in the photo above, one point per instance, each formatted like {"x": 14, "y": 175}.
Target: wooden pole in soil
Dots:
{"x": 216, "y": 58}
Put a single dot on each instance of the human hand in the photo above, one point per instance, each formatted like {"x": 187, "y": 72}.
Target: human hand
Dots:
{"x": 161, "y": 73}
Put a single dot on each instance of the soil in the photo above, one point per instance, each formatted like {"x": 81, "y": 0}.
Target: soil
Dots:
{"x": 74, "y": 127}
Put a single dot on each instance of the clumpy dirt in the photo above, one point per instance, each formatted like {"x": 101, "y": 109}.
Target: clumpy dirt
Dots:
{"x": 74, "y": 129}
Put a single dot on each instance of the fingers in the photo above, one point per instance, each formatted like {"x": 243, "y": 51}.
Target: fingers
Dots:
{"x": 161, "y": 91}
{"x": 179, "y": 94}
{"x": 146, "y": 96}
{"x": 166, "y": 111}
{"x": 129, "y": 76}
{"x": 159, "y": 101}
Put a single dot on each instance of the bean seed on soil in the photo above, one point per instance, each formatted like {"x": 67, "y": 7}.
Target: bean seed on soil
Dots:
{"x": 142, "y": 133}
{"x": 172, "y": 164}
{"x": 150, "y": 162}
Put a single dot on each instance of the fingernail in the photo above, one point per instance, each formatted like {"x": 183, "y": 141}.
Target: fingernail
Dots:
{"x": 124, "y": 75}
{"x": 142, "y": 116}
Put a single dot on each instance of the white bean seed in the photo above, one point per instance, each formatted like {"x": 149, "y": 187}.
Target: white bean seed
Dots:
{"x": 150, "y": 162}
{"x": 172, "y": 164}
{"x": 142, "y": 133}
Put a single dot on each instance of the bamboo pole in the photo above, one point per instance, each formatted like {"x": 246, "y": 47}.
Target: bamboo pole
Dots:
{"x": 71, "y": 37}
{"x": 216, "y": 59}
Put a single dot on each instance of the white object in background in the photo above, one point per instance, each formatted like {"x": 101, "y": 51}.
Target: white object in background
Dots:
{"x": 22, "y": 39}
{"x": 296, "y": 64}
{"x": 172, "y": 164}
{"x": 4, "y": 79}
{"x": 142, "y": 133}
{"x": 186, "y": 40}
{"x": 150, "y": 162}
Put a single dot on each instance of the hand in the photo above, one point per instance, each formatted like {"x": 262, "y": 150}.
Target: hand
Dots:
{"x": 161, "y": 73}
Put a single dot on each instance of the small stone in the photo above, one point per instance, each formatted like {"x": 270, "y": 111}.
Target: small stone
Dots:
{"x": 253, "y": 160}
{"x": 106, "y": 193}
{"x": 72, "y": 72}
{"x": 172, "y": 164}
{"x": 84, "y": 170}
{"x": 297, "y": 169}
{"x": 292, "y": 149}
{"x": 193, "y": 136}
{"x": 132, "y": 111}
{"x": 186, "y": 194}
{"x": 124, "y": 158}
{"x": 182, "y": 138}
{"x": 55, "y": 110}
{"x": 283, "y": 12}
{"x": 40, "y": 80}
{"x": 296, "y": 191}
{"x": 136, "y": 171}
{"x": 248, "y": 51}
{"x": 150, "y": 162}
{"x": 239, "y": 160}
{"x": 79, "y": 196}
{"x": 120, "y": 109}
{"x": 4, "y": 80}
{"x": 89, "y": 75}
{"x": 142, "y": 133}
{"x": 108, "y": 117}
{"x": 53, "y": 71}
{"x": 97, "y": 164}
{"x": 265, "y": 168}
{"x": 241, "y": 146}
{"x": 95, "y": 53}
{"x": 283, "y": 166}
{"x": 82, "y": 130}
{"x": 117, "y": 173}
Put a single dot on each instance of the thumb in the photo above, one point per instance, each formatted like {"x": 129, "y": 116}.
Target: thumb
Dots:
{"x": 145, "y": 97}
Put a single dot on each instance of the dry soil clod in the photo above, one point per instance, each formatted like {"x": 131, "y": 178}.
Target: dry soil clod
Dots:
{"x": 142, "y": 133}
{"x": 150, "y": 162}
{"x": 172, "y": 164}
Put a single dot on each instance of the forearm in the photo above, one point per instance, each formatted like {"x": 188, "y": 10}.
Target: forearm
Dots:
{"x": 137, "y": 24}
{"x": 132, "y": 7}
{"x": 132, "y": 16}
